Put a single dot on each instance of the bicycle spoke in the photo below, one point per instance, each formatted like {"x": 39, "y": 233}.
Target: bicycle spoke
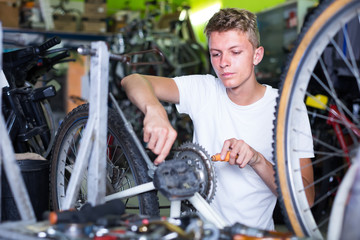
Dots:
{"x": 354, "y": 69}
{"x": 332, "y": 94}
{"x": 339, "y": 103}
{"x": 344, "y": 58}
{"x": 325, "y": 197}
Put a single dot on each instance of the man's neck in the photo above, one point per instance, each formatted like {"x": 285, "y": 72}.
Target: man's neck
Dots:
{"x": 246, "y": 95}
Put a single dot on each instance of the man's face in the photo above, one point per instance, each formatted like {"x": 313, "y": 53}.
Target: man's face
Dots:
{"x": 233, "y": 57}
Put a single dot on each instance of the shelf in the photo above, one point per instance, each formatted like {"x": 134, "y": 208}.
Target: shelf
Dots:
{"x": 74, "y": 37}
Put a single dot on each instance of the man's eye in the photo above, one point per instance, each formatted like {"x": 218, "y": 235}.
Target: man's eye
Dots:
{"x": 236, "y": 52}
{"x": 215, "y": 55}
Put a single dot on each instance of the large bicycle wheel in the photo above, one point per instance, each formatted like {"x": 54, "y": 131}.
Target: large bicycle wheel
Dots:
{"x": 125, "y": 165}
{"x": 323, "y": 72}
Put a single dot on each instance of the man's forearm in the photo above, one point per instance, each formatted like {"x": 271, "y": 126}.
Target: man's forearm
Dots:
{"x": 266, "y": 171}
{"x": 140, "y": 92}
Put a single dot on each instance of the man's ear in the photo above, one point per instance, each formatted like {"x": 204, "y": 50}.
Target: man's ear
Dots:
{"x": 258, "y": 55}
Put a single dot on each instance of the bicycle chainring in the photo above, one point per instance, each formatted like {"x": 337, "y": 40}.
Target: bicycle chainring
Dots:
{"x": 199, "y": 160}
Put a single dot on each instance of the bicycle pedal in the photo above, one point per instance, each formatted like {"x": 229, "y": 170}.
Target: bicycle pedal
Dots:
{"x": 176, "y": 180}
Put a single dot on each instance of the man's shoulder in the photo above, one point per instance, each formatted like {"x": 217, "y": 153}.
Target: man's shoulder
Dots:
{"x": 271, "y": 91}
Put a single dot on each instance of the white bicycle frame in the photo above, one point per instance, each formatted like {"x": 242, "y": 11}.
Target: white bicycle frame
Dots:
{"x": 92, "y": 151}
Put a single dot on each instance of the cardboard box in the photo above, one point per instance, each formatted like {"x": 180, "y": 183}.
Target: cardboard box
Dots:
{"x": 9, "y": 13}
{"x": 94, "y": 26}
{"x": 95, "y": 10}
{"x": 66, "y": 22}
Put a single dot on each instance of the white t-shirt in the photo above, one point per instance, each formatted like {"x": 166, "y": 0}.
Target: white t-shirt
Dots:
{"x": 241, "y": 195}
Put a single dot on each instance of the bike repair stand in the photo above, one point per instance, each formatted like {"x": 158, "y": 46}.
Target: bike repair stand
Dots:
{"x": 92, "y": 151}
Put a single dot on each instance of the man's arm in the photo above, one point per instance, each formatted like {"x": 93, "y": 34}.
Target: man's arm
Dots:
{"x": 265, "y": 170}
{"x": 145, "y": 92}
{"x": 307, "y": 174}
{"x": 242, "y": 154}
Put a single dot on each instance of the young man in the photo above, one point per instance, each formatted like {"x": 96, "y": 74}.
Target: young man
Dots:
{"x": 230, "y": 112}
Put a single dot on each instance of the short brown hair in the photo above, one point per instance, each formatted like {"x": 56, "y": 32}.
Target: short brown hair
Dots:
{"x": 231, "y": 19}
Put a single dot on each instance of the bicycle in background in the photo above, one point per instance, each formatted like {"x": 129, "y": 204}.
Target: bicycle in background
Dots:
{"x": 25, "y": 106}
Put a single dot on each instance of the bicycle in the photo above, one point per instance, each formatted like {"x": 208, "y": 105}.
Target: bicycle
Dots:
{"x": 25, "y": 107}
{"x": 182, "y": 53}
{"x": 323, "y": 71}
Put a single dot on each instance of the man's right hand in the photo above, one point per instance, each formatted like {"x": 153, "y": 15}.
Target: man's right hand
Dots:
{"x": 158, "y": 133}
{"x": 146, "y": 92}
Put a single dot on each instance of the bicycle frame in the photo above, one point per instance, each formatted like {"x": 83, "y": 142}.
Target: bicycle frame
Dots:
{"x": 197, "y": 200}
{"x": 93, "y": 148}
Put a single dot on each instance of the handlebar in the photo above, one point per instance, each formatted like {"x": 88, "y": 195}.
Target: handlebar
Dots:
{"x": 21, "y": 56}
{"x": 49, "y": 43}
{"x": 45, "y": 65}
{"x": 28, "y": 63}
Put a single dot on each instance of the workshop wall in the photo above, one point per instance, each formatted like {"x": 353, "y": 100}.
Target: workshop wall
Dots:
{"x": 198, "y": 6}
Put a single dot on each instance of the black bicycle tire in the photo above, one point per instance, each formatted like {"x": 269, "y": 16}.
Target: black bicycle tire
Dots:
{"x": 326, "y": 12}
{"x": 148, "y": 202}
{"x": 48, "y": 114}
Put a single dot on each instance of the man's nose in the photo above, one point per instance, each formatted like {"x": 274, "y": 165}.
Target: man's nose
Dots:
{"x": 224, "y": 61}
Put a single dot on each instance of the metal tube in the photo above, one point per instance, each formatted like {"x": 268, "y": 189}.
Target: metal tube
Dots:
{"x": 207, "y": 211}
{"x": 132, "y": 191}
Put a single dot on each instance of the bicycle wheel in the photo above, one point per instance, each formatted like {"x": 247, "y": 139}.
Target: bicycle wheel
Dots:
{"x": 125, "y": 165}
{"x": 40, "y": 118}
{"x": 322, "y": 72}
{"x": 48, "y": 114}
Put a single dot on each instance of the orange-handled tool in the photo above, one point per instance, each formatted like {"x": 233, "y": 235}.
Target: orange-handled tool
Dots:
{"x": 217, "y": 157}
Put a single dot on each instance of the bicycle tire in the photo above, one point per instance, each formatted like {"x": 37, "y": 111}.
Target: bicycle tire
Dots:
{"x": 48, "y": 114}
{"x": 303, "y": 78}
{"x": 125, "y": 164}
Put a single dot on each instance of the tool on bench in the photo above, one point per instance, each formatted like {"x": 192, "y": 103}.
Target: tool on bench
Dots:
{"x": 88, "y": 213}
